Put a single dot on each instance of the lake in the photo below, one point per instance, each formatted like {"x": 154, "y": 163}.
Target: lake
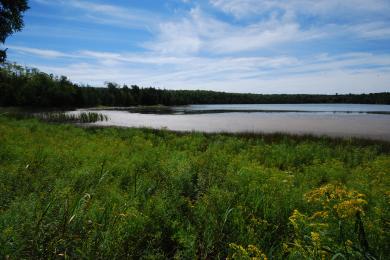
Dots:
{"x": 339, "y": 120}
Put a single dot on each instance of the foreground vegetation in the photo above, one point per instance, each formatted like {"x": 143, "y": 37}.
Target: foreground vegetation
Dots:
{"x": 20, "y": 86}
{"x": 68, "y": 192}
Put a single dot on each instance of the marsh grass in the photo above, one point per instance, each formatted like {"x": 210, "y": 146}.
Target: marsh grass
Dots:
{"x": 62, "y": 117}
{"x": 111, "y": 193}
{"x": 57, "y": 116}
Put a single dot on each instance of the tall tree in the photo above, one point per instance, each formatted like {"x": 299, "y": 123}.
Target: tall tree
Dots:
{"x": 11, "y": 20}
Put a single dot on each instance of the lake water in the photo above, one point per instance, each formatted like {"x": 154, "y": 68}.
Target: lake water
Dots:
{"x": 343, "y": 120}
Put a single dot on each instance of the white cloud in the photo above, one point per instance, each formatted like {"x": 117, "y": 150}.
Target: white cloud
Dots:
{"x": 371, "y": 30}
{"x": 200, "y": 32}
{"x": 322, "y": 73}
{"x": 108, "y": 13}
{"x": 199, "y": 49}
{"x": 177, "y": 38}
{"x": 245, "y": 8}
{"x": 44, "y": 53}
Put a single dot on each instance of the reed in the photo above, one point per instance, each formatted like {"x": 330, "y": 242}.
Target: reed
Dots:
{"x": 62, "y": 117}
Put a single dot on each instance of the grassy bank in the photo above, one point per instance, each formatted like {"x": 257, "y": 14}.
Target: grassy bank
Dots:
{"x": 69, "y": 192}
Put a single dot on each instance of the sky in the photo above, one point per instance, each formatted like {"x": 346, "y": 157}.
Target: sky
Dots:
{"x": 257, "y": 46}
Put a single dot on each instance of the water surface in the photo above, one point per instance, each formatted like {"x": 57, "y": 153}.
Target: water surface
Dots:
{"x": 340, "y": 120}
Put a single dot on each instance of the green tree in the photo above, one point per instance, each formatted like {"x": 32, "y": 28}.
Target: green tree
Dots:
{"x": 11, "y": 20}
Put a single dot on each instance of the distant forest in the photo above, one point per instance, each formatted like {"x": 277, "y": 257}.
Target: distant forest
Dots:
{"x": 20, "y": 86}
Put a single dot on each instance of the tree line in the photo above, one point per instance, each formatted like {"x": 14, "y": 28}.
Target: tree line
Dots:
{"x": 22, "y": 86}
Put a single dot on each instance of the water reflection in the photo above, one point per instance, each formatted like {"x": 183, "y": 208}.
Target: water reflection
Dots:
{"x": 266, "y": 108}
{"x": 370, "y": 121}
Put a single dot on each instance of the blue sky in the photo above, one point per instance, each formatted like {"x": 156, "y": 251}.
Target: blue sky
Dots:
{"x": 260, "y": 46}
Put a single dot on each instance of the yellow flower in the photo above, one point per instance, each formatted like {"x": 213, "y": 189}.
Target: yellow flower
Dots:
{"x": 344, "y": 202}
{"x": 348, "y": 243}
{"x": 295, "y": 217}
{"x": 320, "y": 214}
{"x": 315, "y": 237}
{"x": 251, "y": 252}
{"x": 349, "y": 208}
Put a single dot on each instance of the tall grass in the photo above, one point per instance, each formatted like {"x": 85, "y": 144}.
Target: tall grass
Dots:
{"x": 58, "y": 117}
{"x": 69, "y": 192}
{"x": 61, "y": 117}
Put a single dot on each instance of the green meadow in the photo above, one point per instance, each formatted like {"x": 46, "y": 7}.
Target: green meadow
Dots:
{"x": 110, "y": 193}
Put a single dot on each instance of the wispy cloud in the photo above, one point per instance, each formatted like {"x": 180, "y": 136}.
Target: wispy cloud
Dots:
{"x": 43, "y": 53}
{"x": 370, "y": 30}
{"x": 244, "y": 8}
{"x": 109, "y": 13}
{"x": 202, "y": 32}
{"x": 297, "y": 46}
{"x": 255, "y": 73}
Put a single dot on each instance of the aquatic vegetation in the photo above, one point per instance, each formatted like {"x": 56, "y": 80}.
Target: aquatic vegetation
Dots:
{"x": 98, "y": 193}
{"x": 57, "y": 117}
{"x": 62, "y": 117}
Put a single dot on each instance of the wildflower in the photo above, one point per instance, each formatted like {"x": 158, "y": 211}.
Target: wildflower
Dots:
{"x": 238, "y": 250}
{"x": 344, "y": 202}
{"x": 349, "y": 208}
{"x": 315, "y": 237}
{"x": 295, "y": 217}
{"x": 348, "y": 243}
{"x": 251, "y": 252}
{"x": 319, "y": 214}
{"x": 258, "y": 221}
{"x": 256, "y": 253}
